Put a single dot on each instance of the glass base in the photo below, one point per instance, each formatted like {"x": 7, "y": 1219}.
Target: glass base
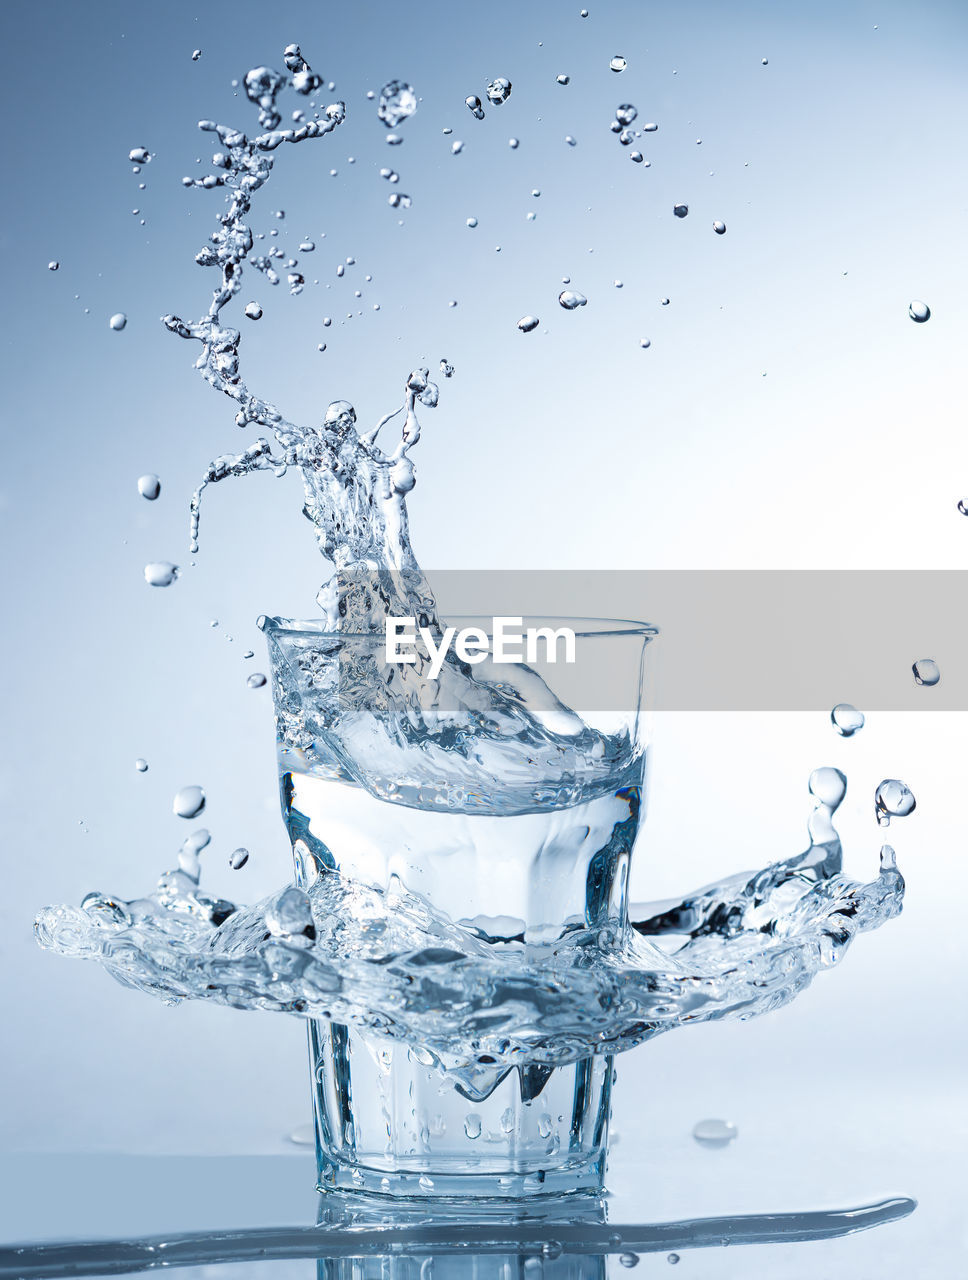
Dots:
{"x": 390, "y": 1123}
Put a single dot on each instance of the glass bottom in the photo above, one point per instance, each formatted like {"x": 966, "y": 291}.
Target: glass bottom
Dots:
{"x": 391, "y": 1124}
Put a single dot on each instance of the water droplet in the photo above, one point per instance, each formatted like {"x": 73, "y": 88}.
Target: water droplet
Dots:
{"x": 253, "y": 311}
{"x": 651, "y": 127}
{"x": 393, "y": 139}
{"x": 456, "y": 147}
{"x": 472, "y": 222}
{"x": 397, "y": 102}
{"x": 139, "y": 155}
{"x": 563, "y": 79}
{"x": 118, "y": 321}
{"x": 427, "y": 1184}
{"x": 846, "y": 719}
{"x": 149, "y": 486}
{"x": 472, "y": 1125}
{"x": 570, "y": 300}
{"x": 161, "y": 573}
{"x": 256, "y": 680}
{"x": 530, "y": 217}
{"x": 645, "y": 343}
{"x": 765, "y": 62}
{"x": 963, "y": 506}
{"x": 527, "y": 323}
{"x": 238, "y": 859}
{"x": 714, "y": 1133}
{"x": 572, "y": 142}
{"x": 664, "y": 302}
{"x": 629, "y": 1259}
{"x": 680, "y": 210}
{"x": 636, "y": 157}
{"x": 828, "y": 785}
{"x": 398, "y": 200}
{"x": 926, "y": 671}
{"x": 719, "y": 228}
{"x": 473, "y": 105}
{"x": 583, "y": 14}
{"x": 188, "y": 802}
{"x": 499, "y": 91}
{"x": 307, "y": 246}
{"x": 141, "y": 765}
{"x": 888, "y": 858}
{"x": 893, "y": 799}
{"x": 513, "y": 144}
{"x": 196, "y": 54}
{"x": 552, "y": 1249}
{"x": 672, "y": 1259}
{"x": 289, "y": 914}
{"x": 53, "y": 266}
{"x": 618, "y": 63}
{"x": 919, "y": 312}
{"x": 625, "y": 113}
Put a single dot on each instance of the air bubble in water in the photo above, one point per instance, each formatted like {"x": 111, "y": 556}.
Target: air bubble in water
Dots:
{"x": 238, "y": 859}
{"x": 714, "y": 1133}
{"x": 473, "y": 104}
{"x": 527, "y": 323}
{"x": 118, "y": 321}
{"x": 719, "y": 228}
{"x": 188, "y": 802}
{"x": 397, "y": 102}
{"x": 846, "y": 719}
{"x": 570, "y": 300}
{"x": 253, "y": 311}
{"x": 256, "y": 680}
{"x": 680, "y": 210}
{"x": 618, "y": 63}
{"x": 149, "y": 486}
{"x": 53, "y": 266}
{"x": 472, "y": 1125}
{"x": 893, "y": 799}
{"x": 563, "y": 79}
{"x": 161, "y": 573}
{"x": 919, "y": 312}
{"x": 926, "y": 671}
{"x": 141, "y": 765}
{"x": 629, "y": 1259}
{"x": 499, "y": 90}
{"x": 139, "y": 155}
{"x": 625, "y": 113}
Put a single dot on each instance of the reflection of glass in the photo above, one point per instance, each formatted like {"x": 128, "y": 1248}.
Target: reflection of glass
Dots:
{"x": 511, "y": 817}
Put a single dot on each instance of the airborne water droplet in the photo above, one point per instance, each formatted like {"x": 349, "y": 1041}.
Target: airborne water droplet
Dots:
{"x": 118, "y": 321}
{"x": 253, "y": 311}
{"x": 188, "y": 802}
{"x": 53, "y": 266}
{"x": 893, "y": 799}
{"x": 472, "y": 222}
{"x": 714, "y": 1133}
{"x": 919, "y": 312}
{"x": 238, "y": 859}
{"x": 926, "y": 672}
{"x": 473, "y": 104}
{"x": 196, "y": 54}
{"x": 625, "y": 113}
{"x": 527, "y": 323}
{"x": 161, "y": 573}
{"x": 636, "y": 157}
{"x": 719, "y": 228}
{"x": 149, "y": 486}
{"x": 828, "y": 785}
{"x": 256, "y": 680}
{"x": 846, "y": 719}
{"x": 963, "y": 506}
{"x": 651, "y": 127}
{"x": 141, "y": 765}
{"x": 513, "y": 144}
{"x": 680, "y": 210}
{"x": 570, "y": 300}
{"x": 563, "y": 79}
{"x": 618, "y": 63}
{"x": 499, "y": 90}
{"x": 645, "y": 343}
{"x": 139, "y": 155}
{"x": 397, "y": 102}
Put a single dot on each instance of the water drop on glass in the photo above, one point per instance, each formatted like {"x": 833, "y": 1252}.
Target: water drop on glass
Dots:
{"x": 472, "y": 1125}
{"x": 149, "y": 486}
{"x": 397, "y": 102}
{"x": 527, "y": 323}
{"x": 238, "y": 859}
{"x": 160, "y": 573}
{"x": 846, "y": 719}
{"x": 118, "y": 321}
{"x": 563, "y": 79}
{"x": 893, "y": 799}
{"x": 53, "y": 266}
{"x": 499, "y": 91}
{"x": 714, "y": 1133}
{"x": 256, "y": 680}
{"x": 926, "y": 672}
{"x": 919, "y": 312}
{"x": 141, "y": 765}
{"x": 188, "y": 802}
{"x": 629, "y": 1259}
{"x": 719, "y": 228}
{"x": 680, "y": 210}
{"x": 570, "y": 300}
{"x": 618, "y": 63}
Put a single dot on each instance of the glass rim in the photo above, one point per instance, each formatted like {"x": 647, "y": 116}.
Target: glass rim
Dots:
{"x": 583, "y": 627}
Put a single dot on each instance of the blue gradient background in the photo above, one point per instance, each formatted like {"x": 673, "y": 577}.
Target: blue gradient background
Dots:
{"x": 787, "y": 415}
